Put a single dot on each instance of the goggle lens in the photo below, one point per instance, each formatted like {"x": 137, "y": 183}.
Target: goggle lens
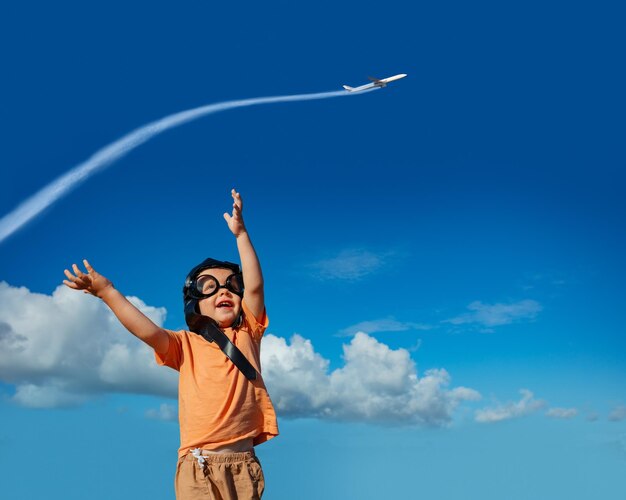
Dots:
{"x": 206, "y": 285}
{"x": 235, "y": 283}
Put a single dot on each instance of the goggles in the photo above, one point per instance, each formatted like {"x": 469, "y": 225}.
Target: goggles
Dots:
{"x": 207, "y": 285}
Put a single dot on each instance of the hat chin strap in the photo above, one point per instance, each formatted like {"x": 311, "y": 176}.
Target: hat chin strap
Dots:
{"x": 207, "y": 328}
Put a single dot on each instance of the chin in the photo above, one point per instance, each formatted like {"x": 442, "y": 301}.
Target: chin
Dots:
{"x": 223, "y": 321}
{"x": 227, "y": 322}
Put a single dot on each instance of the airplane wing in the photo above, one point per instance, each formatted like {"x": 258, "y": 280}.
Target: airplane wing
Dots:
{"x": 359, "y": 89}
{"x": 375, "y": 80}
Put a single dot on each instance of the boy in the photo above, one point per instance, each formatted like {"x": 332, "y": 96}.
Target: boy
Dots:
{"x": 224, "y": 408}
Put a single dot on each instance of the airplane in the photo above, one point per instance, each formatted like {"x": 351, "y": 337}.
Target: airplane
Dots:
{"x": 375, "y": 83}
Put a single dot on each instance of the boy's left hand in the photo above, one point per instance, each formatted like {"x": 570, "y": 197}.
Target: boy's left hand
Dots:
{"x": 235, "y": 221}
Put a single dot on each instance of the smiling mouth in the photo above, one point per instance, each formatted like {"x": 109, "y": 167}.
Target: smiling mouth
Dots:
{"x": 224, "y": 304}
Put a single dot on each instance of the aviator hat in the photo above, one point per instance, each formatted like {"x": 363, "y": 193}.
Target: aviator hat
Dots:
{"x": 193, "y": 318}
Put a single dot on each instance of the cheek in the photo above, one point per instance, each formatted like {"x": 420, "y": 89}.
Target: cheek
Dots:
{"x": 205, "y": 307}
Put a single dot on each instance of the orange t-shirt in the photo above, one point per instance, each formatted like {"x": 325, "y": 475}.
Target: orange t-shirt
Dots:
{"x": 217, "y": 404}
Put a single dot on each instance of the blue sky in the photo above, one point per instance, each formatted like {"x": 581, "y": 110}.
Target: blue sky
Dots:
{"x": 443, "y": 257}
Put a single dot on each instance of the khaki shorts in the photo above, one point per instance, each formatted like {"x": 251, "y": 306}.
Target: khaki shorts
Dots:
{"x": 221, "y": 476}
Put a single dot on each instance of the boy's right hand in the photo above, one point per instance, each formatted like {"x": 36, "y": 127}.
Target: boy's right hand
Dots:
{"x": 92, "y": 282}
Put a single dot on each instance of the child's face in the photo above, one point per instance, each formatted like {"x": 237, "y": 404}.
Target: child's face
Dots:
{"x": 225, "y": 306}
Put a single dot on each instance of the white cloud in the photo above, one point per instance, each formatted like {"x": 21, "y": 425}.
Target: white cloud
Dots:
{"x": 52, "y": 393}
{"x": 376, "y": 383}
{"x": 618, "y": 414}
{"x": 165, "y": 412}
{"x": 382, "y": 325}
{"x": 562, "y": 413}
{"x": 64, "y": 348}
{"x": 60, "y": 349}
{"x": 490, "y": 315}
{"x": 349, "y": 265}
{"x": 524, "y": 406}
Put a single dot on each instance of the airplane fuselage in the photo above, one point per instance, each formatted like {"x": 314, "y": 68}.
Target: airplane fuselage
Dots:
{"x": 375, "y": 83}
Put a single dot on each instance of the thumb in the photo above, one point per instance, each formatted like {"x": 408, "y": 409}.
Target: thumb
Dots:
{"x": 227, "y": 217}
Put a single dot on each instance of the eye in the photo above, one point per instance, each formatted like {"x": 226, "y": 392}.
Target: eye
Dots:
{"x": 206, "y": 284}
{"x": 236, "y": 283}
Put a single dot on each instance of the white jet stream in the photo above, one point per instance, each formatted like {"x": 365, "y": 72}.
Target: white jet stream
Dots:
{"x": 61, "y": 186}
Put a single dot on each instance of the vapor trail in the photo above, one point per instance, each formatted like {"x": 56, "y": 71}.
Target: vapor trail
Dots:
{"x": 104, "y": 157}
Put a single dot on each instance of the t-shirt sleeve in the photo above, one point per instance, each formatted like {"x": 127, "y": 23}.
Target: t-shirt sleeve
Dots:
{"x": 256, "y": 326}
{"x": 173, "y": 357}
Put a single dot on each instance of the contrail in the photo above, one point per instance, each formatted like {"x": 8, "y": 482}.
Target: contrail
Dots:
{"x": 104, "y": 157}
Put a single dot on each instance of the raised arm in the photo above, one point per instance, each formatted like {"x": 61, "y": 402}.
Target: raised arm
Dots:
{"x": 132, "y": 318}
{"x": 250, "y": 265}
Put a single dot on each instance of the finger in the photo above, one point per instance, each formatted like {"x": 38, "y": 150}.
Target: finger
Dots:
{"x": 88, "y": 266}
{"x": 82, "y": 280}
{"x": 227, "y": 217}
{"x": 69, "y": 284}
{"x": 77, "y": 271}
{"x": 237, "y": 198}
